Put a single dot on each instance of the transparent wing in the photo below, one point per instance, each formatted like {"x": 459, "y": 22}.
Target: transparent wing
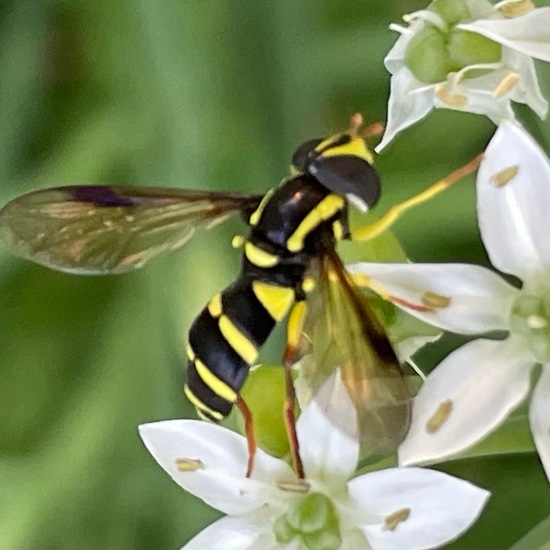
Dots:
{"x": 100, "y": 229}
{"x": 341, "y": 331}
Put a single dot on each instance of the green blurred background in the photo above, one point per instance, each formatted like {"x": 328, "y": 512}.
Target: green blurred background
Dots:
{"x": 210, "y": 94}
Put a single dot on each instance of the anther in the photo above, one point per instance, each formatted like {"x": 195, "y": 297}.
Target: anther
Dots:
{"x": 505, "y": 85}
{"x": 436, "y": 301}
{"x": 299, "y": 486}
{"x": 449, "y": 98}
{"x": 500, "y": 179}
{"x": 439, "y": 417}
{"x": 395, "y": 518}
{"x": 514, "y": 8}
{"x": 189, "y": 464}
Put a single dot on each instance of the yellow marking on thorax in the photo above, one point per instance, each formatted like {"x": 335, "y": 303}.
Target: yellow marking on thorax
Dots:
{"x": 260, "y": 257}
{"x": 329, "y": 206}
{"x": 356, "y": 148}
{"x": 237, "y": 340}
{"x": 215, "y": 305}
{"x": 219, "y": 387}
{"x": 255, "y": 216}
{"x": 199, "y": 405}
{"x": 277, "y": 300}
{"x": 190, "y": 352}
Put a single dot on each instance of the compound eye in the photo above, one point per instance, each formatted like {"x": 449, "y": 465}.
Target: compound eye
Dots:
{"x": 347, "y": 175}
{"x": 303, "y": 155}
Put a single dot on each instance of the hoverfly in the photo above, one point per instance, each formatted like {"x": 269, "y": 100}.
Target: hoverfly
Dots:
{"x": 288, "y": 256}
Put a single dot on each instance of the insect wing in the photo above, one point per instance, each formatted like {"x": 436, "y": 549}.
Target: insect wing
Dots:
{"x": 100, "y": 229}
{"x": 341, "y": 331}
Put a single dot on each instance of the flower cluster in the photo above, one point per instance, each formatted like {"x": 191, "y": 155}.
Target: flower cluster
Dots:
{"x": 467, "y": 55}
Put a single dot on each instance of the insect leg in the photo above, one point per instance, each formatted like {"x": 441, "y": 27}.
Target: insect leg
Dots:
{"x": 249, "y": 432}
{"x": 368, "y": 232}
{"x": 294, "y": 331}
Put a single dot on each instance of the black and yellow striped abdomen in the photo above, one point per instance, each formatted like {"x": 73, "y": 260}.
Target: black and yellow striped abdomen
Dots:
{"x": 226, "y": 337}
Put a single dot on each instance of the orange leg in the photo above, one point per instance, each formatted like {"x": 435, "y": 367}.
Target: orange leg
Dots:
{"x": 294, "y": 331}
{"x": 249, "y": 432}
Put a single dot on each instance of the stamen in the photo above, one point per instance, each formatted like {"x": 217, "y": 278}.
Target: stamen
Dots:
{"x": 189, "y": 464}
{"x": 439, "y": 417}
{"x": 401, "y": 30}
{"x": 514, "y": 8}
{"x": 456, "y": 77}
{"x": 299, "y": 486}
{"x": 500, "y": 179}
{"x": 433, "y": 300}
{"x": 449, "y": 98}
{"x": 505, "y": 85}
{"x": 395, "y": 518}
{"x": 410, "y": 305}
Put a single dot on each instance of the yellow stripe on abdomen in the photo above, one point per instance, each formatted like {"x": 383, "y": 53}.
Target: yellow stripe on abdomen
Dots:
{"x": 219, "y": 387}
{"x": 237, "y": 340}
{"x": 200, "y": 406}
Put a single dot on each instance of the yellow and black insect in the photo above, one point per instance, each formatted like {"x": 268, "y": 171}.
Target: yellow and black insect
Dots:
{"x": 289, "y": 250}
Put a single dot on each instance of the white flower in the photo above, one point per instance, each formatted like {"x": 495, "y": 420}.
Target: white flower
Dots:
{"x": 466, "y": 55}
{"x": 399, "y": 508}
{"x": 474, "y": 389}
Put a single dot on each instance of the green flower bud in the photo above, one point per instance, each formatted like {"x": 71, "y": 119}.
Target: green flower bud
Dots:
{"x": 283, "y": 531}
{"x": 323, "y": 540}
{"x": 427, "y": 55}
{"x": 469, "y": 48}
{"x": 264, "y": 392}
{"x": 451, "y": 11}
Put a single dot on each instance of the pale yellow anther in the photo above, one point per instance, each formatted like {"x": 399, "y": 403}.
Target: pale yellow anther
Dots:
{"x": 433, "y": 300}
{"x": 439, "y": 417}
{"x": 515, "y": 8}
{"x": 505, "y": 85}
{"x": 395, "y": 518}
{"x": 500, "y": 179}
{"x": 238, "y": 241}
{"x": 449, "y": 98}
{"x": 189, "y": 464}
{"x": 299, "y": 486}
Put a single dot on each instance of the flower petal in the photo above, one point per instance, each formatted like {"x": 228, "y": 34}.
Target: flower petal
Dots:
{"x": 229, "y": 533}
{"x": 527, "y": 34}
{"x": 467, "y": 396}
{"x": 460, "y": 298}
{"x": 528, "y": 89}
{"x": 327, "y": 452}
{"x": 441, "y": 507}
{"x": 221, "y": 457}
{"x": 406, "y": 105}
{"x": 539, "y": 418}
{"x": 513, "y": 209}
